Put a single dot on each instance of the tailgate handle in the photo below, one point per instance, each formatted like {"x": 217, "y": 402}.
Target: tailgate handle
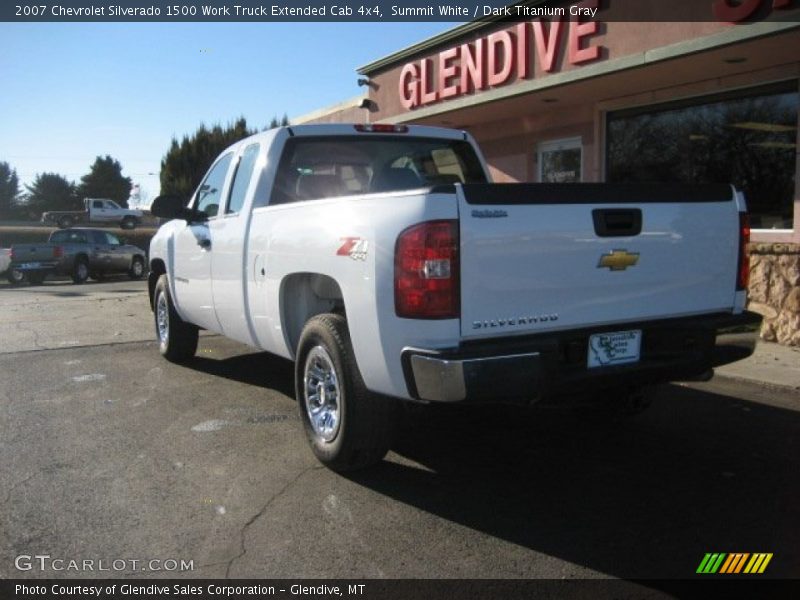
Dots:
{"x": 617, "y": 222}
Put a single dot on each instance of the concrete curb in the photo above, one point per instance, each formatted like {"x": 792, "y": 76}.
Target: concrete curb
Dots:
{"x": 771, "y": 365}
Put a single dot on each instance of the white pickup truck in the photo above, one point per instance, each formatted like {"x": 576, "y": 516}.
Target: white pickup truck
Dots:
{"x": 383, "y": 262}
{"x": 97, "y": 210}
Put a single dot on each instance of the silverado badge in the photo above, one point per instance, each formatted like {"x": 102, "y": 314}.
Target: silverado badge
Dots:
{"x": 618, "y": 260}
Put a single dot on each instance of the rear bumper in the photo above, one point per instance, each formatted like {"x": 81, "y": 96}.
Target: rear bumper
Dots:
{"x": 34, "y": 266}
{"x": 522, "y": 369}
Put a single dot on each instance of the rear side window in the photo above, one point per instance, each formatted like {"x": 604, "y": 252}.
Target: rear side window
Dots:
{"x": 241, "y": 179}
{"x": 69, "y": 237}
{"x": 312, "y": 168}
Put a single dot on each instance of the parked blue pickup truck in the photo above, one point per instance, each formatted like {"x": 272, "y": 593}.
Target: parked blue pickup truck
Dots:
{"x": 79, "y": 253}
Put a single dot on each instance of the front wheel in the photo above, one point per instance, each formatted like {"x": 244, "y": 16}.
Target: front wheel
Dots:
{"x": 80, "y": 271}
{"x": 128, "y": 223}
{"x": 177, "y": 339}
{"x": 137, "y": 268}
{"x": 347, "y": 427}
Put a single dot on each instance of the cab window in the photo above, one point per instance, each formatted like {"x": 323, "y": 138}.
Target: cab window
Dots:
{"x": 209, "y": 194}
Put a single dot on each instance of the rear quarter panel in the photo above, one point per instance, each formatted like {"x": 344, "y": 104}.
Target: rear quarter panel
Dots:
{"x": 305, "y": 237}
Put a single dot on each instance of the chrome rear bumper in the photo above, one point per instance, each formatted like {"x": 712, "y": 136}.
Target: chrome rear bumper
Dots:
{"x": 673, "y": 350}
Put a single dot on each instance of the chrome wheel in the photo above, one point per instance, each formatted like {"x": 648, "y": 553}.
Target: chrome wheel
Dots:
{"x": 322, "y": 393}
{"x": 138, "y": 268}
{"x": 162, "y": 319}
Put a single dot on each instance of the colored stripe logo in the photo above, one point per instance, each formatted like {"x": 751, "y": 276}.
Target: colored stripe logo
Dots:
{"x": 734, "y": 563}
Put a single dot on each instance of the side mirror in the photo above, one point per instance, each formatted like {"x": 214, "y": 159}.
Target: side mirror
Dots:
{"x": 174, "y": 207}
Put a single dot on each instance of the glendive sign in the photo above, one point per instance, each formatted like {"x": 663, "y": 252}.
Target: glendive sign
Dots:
{"x": 733, "y": 12}
{"x": 492, "y": 61}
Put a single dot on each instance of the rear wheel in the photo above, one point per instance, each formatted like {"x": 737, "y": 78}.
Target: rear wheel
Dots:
{"x": 15, "y": 276}
{"x": 65, "y": 222}
{"x": 177, "y": 339}
{"x": 347, "y": 427}
{"x": 137, "y": 268}
{"x": 80, "y": 271}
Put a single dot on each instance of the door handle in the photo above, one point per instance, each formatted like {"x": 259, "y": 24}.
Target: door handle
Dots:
{"x": 204, "y": 243}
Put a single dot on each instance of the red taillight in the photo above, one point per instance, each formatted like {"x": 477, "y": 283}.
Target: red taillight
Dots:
{"x": 426, "y": 271}
{"x": 381, "y": 128}
{"x": 11, "y": 254}
{"x": 743, "y": 272}
{"x": 58, "y": 251}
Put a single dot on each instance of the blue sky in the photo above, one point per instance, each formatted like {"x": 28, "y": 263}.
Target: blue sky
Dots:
{"x": 73, "y": 91}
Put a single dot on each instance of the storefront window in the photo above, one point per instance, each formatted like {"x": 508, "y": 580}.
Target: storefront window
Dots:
{"x": 748, "y": 139}
{"x": 560, "y": 161}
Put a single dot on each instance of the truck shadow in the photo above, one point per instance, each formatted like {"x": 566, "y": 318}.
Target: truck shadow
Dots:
{"x": 642, "y": 497}
{"x": 639, "y": 497}
{"x": 260, "y": 369}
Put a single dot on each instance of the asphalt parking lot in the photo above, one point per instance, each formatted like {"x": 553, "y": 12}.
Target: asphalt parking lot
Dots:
{"x": 109, "y": 452}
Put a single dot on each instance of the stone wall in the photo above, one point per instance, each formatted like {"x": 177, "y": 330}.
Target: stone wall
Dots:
{"x": 775, "y": 290}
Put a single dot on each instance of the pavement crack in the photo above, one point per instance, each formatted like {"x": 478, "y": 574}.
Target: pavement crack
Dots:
{"x": 254, "y": 518}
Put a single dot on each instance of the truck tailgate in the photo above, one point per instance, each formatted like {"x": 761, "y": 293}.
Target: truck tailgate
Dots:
{"x": 29, "y": 254}
{"x": 542, "y": 257}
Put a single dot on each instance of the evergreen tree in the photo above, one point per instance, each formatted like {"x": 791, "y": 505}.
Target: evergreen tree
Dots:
{"x": 274, "y": 122}
{"x": 50, "y": 191}
{"x": 9, "y": 190}
{"x": 105, "y": 180}
{"x": 187, "y": 161}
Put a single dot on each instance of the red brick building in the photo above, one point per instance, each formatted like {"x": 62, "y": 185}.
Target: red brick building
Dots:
{"x": 566, "y": 98}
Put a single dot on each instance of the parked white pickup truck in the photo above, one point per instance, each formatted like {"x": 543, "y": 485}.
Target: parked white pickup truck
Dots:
{"x": 98, "y": 210}
{"x": 383, "y": 263}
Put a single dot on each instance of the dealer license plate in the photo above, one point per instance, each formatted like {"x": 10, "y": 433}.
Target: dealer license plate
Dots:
{"x": 614, "y": 348}
{"x": 30, "y": 265}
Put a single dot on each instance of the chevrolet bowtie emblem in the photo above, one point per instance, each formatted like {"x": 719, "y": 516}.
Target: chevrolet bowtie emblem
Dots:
{"x": 618, "y": 260}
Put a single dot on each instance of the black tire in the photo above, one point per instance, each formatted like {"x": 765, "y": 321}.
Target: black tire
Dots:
{"x": 361, "y": 433}
{"x": 179, "y": 341}
{"x": 137, "y": 268}
{"x": 65, "y": 222}
{"x": 16, "y": 277}
{"x": 80, "y": 270}
{"x": 629, "y": 401}
{"x": 128, "y": 223}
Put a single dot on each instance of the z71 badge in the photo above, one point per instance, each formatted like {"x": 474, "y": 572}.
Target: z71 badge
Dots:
{"x": 354, "y": 247}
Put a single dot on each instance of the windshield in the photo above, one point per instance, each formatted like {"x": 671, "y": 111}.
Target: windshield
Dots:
{"x": 325, "y": 167}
